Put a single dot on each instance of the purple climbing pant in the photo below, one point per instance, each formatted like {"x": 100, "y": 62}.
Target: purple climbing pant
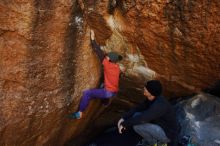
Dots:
{"x": 92, "y": 94}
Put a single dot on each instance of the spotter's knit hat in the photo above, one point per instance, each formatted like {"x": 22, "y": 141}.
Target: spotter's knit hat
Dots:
{"x": 154, "y": 87}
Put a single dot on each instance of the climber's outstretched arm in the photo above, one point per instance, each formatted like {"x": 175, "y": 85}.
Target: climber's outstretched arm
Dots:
{"x": 96, "y": 47}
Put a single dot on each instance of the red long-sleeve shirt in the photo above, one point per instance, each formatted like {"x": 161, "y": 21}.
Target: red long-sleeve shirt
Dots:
{"x": 111, "y": 70}
{"x": 111, "y": 75}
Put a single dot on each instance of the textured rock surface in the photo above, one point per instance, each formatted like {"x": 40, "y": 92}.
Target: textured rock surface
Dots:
{"x": 43, "y": 68}
{"x": 180, "y": 41}
{"x": 46, "y": 61}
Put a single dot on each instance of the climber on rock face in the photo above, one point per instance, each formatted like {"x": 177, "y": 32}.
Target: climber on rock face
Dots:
{"x": 111, "y": 78}
{"x": 154, "y": 120}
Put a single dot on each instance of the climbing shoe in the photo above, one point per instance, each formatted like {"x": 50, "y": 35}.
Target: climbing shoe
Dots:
{"x": 75, "y": 115}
